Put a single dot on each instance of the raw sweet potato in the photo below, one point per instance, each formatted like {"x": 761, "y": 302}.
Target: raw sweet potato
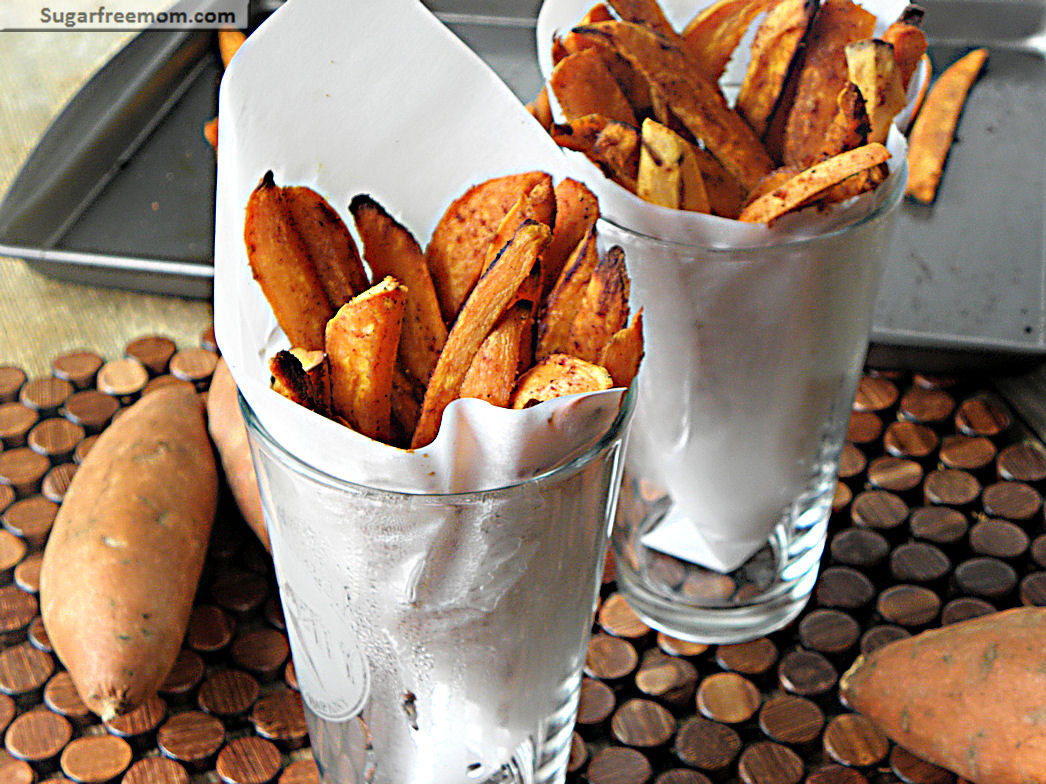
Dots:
{"x": 969, "y": 697}
{"x": 125, "y": 554}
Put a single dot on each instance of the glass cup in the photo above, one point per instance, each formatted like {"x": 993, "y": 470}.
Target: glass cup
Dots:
{"x": 440, "y": 638}
{"x": 752, "y": 361}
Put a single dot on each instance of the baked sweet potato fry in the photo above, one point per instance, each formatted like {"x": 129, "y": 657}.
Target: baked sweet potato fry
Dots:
{"x": 812, "y": 182}
{"x": 281, "y": 265}
{"x": 934, "y": 128}
{"x": 668, "y": 171}
{"x": 540, "y": 108}
{"x": 491, "y": 296}
{"x": 557, "y": 376}
{"x": 623, "y": 354}
{"x": 583, "y": 85}
{"x": 909, "y": 42}
{"x": 712, "y": 36}
{"x": 537, "y": 204}
{"x": 612, "y": 146}
{"x": 725, "y": 194}
{"x": 229, "y": 43}
{"x": 872, "y": 67}
{"x": 492, "y": 374}
{"x": 648, "y": 14}
{"x": 457, "y": 250}
{"x": 303, "y": 377}
{"x": 603, "y": 309}
{"x": 577, "y": 209}
{"x": 361, "y": 347}
{"x": 391, "y": 250}
{"x": 564, "y": 301}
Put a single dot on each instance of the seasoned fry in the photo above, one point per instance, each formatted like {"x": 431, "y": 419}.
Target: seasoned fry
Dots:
{"x": 556, "y": 376}
{"x": 537, "y": 204}
{"x": 577, "y": 209}
{"x": 492, "y": 374}
{"x": 775, "y": 49}
{"x": 391, "y": 250}
{"x": 330, "y": 246}
{"x": 488, "y": 300}
{"x": 932, "y": 133}
{"x": 850, "y": 126}
{"x": 668, "y": 171}
{"x": 583, "y": 85}
{"x": 822, "y": 75}
{"x": 623, "y": 354}
{"x": 406, "y": 405}
{"x": 812, "y": 182}
{"x": 229, "y": 43}
{"x": 361, "y": 348}
{"x": 603, "y": 309}
{"x": 457, "y": 249}
{"x": 612, "y": 146}
{"x": 725, "y": 194}
{"x": 648, "y": 14}
{"x": 711, "y": 37}
{"x": 909, "y": 42}
{"x": 280, "y": 262}
{"x": 540, "y": 109}
{"x": 695, "y": 100}
{"x": 303, "y": 377}
{"x": 872, "y": 67}
{"x": 565, "y": 299}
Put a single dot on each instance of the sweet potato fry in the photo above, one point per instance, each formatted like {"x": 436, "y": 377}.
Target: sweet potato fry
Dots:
{"x": 557, "y": 376}
{"x": 725, "y": 194}
{"x": 540, "y": 109}
{"x": 909, "y": 42}
{"x": 488, "y": 300}
{"x": 565, "y": 299}
{"x": 458, "y": 247}
{"x": 693, "y": 99}
{"x": 822, "y": 75}
{"x": 537, "y": 204}
{"x": 668, "y": 171}
{"x": 391, "y": 250}
{"x": 872, "y": 67}
{"x": 229, "y": 43}
{"x": 612, "y": 146}
{"x": 492, "y": 374}
{"x": 812, "y": 182}
{"x": 850, "y": 126}
{"x": 361, "y": 348}
{"x": 623, "y": 354}
{"x": 711, "y": 37}
{"x": 932, "y": 133}
{"x": 406, "y": 406}
{"x": 577, "y": 209}
{"x": 603, "y": 309}
{"x": 583, "y": 85}
{"x": 280, "y": 262}
{"x": 302, "y": 376}
{"x": 648, "y": 14}
{"x": 775, "y": 50}
{"x": 329, "y": 244}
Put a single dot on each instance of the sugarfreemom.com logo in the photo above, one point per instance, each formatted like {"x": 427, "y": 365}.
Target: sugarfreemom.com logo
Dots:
{"x": 122, "y": 15}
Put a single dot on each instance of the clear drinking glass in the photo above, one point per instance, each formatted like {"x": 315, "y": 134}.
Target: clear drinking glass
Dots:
{"x": 752, "y": 361}
{"x": 440, "y": 638}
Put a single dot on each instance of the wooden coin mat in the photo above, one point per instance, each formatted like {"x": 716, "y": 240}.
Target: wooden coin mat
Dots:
{"x": 937, "y": 517}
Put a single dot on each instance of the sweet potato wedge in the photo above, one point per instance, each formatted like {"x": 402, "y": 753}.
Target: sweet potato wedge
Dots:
{"x": 908, "y": 40}
{"x": 648, "y": 14}
{"x": 540, "y": 108}
{"x": 537, "y": 204}
{"x": 603, "y": 309}
{"x": 564, "y": 301}
{"x": 391, "y": 250}
{"x": 583, "y": 85}
{"x": 303, "y": 377}
{"x": 493, "y": 293}
{"x": 623, "y": 354}
{"x": 613, "y": 146}
{"x": 725, "y": 194}
{"x": 457, "y": 250}
{"x": 577, "y": 210}
{"x": 668, "y": 172}
{"x": 125, "y": 553}
{"x": 557, "y": 376}
{"x": 362, "y": 343}
{"x": 712, "y": 36}
{"x": 968, "y": 697}
{"x": 934, "y": 128}
{"x": 492, "y": 374}
{"x": 872, "y": 67}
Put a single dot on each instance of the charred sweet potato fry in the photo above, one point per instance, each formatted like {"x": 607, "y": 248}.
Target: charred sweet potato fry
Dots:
{"x": 583, "y": 85}
{"x": 712, "y": 36}
{"x": 668, "y": 171}
{"x": 556, "y": 376}
{"x": 577, "y": 209}
{"x": 725, "y": 194}
{"x": 812, "y": 182}
{"x": 406, "y": 406}
{"x": 623, "y": 354}
{"x": 850, "y": 126}
{"x": 391, "y": 250}
{"x": 603, "y": 309}
{"x": 612, "y": 146}
{"x": 492, "y": 374}
{"x": 537, "y": 204}
{"x": 648, "y": 14}
{"x": 303, "y": 377}
{"x": 909, "y": 42}
{"x": 565, "y": 299}
{"x": 872, "y": 67}
{"x": 934, "y": 128}
{"x": 361, "y": 346}
{"x": 280, "y": 262}
{"x": 488, "y": 300}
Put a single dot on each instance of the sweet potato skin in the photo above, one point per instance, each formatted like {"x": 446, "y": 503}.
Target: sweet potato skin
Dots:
{"x": 969, "y": 697}
{"x": 125, "y": 554}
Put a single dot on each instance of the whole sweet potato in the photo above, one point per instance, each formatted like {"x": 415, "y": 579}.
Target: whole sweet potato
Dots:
{"x": 970, "y": 697}
{"x": 125, "y": 554}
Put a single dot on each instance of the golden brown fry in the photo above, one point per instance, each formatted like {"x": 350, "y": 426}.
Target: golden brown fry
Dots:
{"x": 612, "y": 146}
{"x": 565, "y": 299}
{"x": 849, "y": 127}
{"x": 540, "y": 109}
{"x": 457, "y": 249}
{"x": 770, "y": 182}
{"x": 711, "y": 37}
{"x": 932, "y": 133}
{"x": 776, "y": 49}
{"x": 577, "y": 209}
{"x": 822, "y": 75}
{"x": 668, "y": 171}
{"x": 872, "y": 67}
{"x": 725, "y": 194}
{"x": 302, "y": 376}
{"x": 280, "y": 262}
{"x": 492, "y": 374}
{"x": 329, "y": 244}
{"x": 623, "y": 354}
{"x": 693, "y": 99}
{"x": 603, "y": 309}
{"x": 229, "y": 43}
{"x": 557, "y": 376}
{"x": 391, "y": 250}
{"x": 648, "y": 14}
{"x": 812, "y": 182}
{"x": 361, "y": 348}
{"x": 909, "y": 42}
{"x": 537, "y": 204}
{"x": 491, "y": 296}
{"x": 583, "y": 85}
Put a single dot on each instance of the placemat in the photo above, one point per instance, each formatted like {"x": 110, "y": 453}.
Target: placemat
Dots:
{"x": 937, "y": 517}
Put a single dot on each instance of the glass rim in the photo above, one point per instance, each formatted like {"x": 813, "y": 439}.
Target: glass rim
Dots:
{"x": 616, "y": 431}
{"x": 893, "y": 196}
